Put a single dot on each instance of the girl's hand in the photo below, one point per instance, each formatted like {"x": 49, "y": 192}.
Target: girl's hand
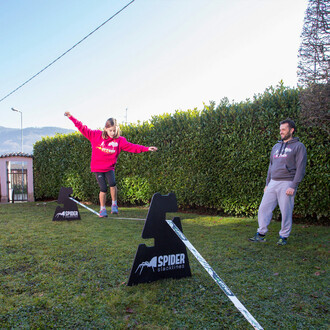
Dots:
{"x": 68, "y": 114}
{"x": 152, "y": 149}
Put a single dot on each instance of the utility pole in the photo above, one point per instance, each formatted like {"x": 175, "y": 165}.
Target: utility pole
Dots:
{"x": 13, "y": 109}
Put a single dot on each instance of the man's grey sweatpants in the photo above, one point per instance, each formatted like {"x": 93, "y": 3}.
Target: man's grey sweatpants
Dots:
{"x": 276, "y": 194}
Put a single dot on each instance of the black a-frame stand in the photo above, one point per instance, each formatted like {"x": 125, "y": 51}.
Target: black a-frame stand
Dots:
{"x": 69, "y": 211}
{"x": 168, "y": 258}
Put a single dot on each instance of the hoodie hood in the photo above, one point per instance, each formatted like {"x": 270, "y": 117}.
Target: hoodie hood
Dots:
{"x": 285, "y": 144}
{"x": 287, "y": 162}
{"x": 293, "y": 140}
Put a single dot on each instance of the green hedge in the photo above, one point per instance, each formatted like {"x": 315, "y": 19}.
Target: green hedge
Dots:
{"x": 216, "y": 158}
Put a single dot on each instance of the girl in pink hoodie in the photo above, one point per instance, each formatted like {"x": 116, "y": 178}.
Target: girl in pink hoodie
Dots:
{"x": 106, "y": 147}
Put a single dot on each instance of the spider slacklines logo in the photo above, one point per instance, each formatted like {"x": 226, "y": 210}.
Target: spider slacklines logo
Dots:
{"x": 67, "y": 214}
{"x": 163, "y": 263}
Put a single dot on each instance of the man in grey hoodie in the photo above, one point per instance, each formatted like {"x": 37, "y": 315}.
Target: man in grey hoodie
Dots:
{"x": 286, "y": 169}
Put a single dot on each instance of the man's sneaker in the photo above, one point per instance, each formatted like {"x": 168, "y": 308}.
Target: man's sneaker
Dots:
{"x": 282, "y": 241}
{"x": 257, "y": 238}
{"x": 103, "y": 214}
{"x": 114, "y": 209}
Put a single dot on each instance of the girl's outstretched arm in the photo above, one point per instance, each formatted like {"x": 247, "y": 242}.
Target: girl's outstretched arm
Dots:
{"x": 83, "y": 129}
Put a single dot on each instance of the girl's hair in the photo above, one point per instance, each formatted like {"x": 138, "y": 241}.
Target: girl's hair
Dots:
{"x": 111, "y": 122}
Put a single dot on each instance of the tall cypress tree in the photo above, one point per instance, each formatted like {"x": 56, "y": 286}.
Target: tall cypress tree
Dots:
{"x": 314, "y": 65}
{"x": 314, "y": 51}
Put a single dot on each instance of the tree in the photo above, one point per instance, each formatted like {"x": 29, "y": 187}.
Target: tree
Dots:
{"x": 314, "y": 51}
{"x": 314, "y": 65}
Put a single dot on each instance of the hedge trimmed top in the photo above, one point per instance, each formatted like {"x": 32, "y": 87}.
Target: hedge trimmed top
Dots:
{"x": 216, "y": 158}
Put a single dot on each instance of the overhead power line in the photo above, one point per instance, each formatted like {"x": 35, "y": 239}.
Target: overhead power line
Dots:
{"x": 75, "y": 45}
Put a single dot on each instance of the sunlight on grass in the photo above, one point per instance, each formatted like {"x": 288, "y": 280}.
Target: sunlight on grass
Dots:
{"x": 73, "y": 274}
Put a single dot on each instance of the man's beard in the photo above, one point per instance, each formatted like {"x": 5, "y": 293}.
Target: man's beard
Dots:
{"x": 287, "y": 137}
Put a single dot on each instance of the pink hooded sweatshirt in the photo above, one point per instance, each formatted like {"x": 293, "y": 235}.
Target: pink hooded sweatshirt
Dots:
{"x": 105, "y": 152}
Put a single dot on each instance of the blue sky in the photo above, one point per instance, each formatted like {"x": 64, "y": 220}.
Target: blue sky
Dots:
{"x": 155, "y": 57}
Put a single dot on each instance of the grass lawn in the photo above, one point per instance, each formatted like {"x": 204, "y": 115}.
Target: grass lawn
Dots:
{"x": 73, "y": 275}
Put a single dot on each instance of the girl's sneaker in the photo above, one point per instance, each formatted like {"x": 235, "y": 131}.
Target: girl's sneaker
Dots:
{"x": 114, "y": 209}
{"x": 103, "y": 214}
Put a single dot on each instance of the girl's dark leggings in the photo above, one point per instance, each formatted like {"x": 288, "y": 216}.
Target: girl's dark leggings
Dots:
{"x": 103, "y": 177}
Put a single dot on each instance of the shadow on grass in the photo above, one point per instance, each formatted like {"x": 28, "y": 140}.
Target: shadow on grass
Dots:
{"x": 74, "y": 274}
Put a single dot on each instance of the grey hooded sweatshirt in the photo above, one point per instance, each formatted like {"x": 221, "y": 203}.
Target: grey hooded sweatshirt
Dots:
{"x": 287, "y": 162}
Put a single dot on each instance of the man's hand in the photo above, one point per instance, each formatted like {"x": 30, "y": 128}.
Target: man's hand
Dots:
{"x": 68, "y": 114}
{"x": 152, "y": 149}
{"x": 290, "y": 191}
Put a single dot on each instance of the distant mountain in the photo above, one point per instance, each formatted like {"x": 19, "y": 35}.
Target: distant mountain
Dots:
{"x": 10, "y": 138}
